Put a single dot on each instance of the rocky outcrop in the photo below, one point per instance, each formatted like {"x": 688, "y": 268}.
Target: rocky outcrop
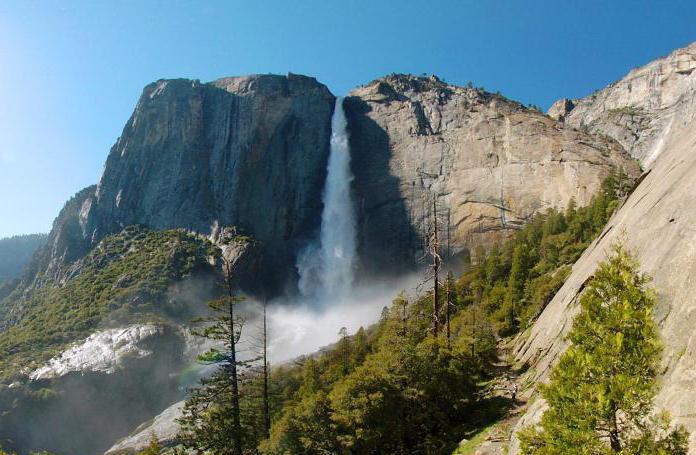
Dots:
{"x": 67, "y": 240}
{"x": 657, "y": 222}
{"x": 102, "y": 352}
{"x": 487, "y": 162}
{"x": 163, "y": 427}
{"x": 640, "y": 110}
{"x": 560, "y": 109}
{"x": 244, "y": 151}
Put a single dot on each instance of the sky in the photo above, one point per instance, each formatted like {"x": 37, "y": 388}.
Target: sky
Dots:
{"x": 72, "y": 71}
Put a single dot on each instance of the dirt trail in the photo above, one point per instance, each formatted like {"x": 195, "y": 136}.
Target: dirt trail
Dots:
{"x": 506, "y": 382}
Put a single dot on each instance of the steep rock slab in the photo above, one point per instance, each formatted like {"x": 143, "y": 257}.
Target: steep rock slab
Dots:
{"x": 241, "y": 151}
{"x": 163, "y": 427}
{"x": 640, "y": 110}
{"x": 658, "y": 223}
{"x": 489, "y": 163}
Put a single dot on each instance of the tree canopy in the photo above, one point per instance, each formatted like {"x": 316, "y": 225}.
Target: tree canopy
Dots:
{"x": 600, "y": 395}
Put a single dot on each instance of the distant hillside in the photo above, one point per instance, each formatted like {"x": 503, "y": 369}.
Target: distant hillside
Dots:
{"x": 15, "y": 253}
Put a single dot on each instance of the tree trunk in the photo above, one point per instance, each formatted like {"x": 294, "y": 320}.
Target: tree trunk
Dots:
{"x": 448, "y": 310}
{"x": 436, "y": 271}
{"x": 236, "y": 420}
{"x": 614, "y": 439}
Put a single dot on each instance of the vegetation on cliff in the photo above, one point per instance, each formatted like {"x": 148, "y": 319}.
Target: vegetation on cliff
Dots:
{"x": 512, "y": 284}
{"x": 601, "y": 392}
{"x": 127, "y": 274}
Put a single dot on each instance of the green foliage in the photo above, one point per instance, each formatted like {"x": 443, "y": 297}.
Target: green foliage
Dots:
{"x": 514, "y": 282}
{"x": 126, "y": 274}
{"x": 629, "y": 111}
{"x": 212, "y": 416}
{"x": 153, "y": 448}
{"x": 396, "y": 389}
{"x": 402, "y": 391}
{"x": 207, "y": 423}
{"x": 601, "y": 392}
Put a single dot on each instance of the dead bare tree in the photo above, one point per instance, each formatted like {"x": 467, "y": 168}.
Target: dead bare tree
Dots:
{"x": 448, "y": 304}
{"x": 435, "y": 254}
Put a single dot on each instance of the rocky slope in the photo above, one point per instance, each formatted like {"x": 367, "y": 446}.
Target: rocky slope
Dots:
{"x": 114, "y": 335}
{"x": 642, "y": 109}
{"x": 95, "y": 392}
{"x": 489, "y": 164}
{"x": 657, "y": 224}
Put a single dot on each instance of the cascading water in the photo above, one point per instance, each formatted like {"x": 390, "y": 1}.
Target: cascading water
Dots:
{"x": 326, "y": 269}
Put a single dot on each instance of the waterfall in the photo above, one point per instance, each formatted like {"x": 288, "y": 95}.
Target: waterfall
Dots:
{"x": 326, "y": 268}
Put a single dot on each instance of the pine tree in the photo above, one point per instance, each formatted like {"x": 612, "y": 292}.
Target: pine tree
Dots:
{"x": 211, "y": 419}
{"x": 450, "y": 297}
{"x": 515, "y": 286}
{"x": 601, "y": 392}
{"x": 153, "y": 448}
{"x": 344, "y": 349}
{"x": 360, "y": 347}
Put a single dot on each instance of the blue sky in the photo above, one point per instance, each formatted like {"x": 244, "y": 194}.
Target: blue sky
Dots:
{"x": 71, "y": 71}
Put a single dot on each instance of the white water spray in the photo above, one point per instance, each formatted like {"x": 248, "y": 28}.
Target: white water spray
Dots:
{"x": 326, "y": 270}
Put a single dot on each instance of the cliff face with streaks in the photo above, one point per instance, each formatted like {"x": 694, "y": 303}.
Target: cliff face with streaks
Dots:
{"x": 641, "y": 110}
{"x": 251, "y": 152}
{"x": 248, "y": 152}
{"x": 488, "y": 163}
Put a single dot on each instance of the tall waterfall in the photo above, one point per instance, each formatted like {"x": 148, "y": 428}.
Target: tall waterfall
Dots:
{"x": 326, "y": 269}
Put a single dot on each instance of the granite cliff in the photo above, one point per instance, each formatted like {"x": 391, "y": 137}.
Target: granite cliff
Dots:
{"x": 248, "y": 152}
{"x": 489, "y": 163}
{"x": 251, "y": 152}
{"x": 641, "y": 110}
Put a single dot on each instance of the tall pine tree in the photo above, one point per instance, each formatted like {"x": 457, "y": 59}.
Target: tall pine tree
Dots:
{"x": 211, "y": 420}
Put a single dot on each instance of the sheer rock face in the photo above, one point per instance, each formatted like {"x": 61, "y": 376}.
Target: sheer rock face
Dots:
{"x": 640, "y": 110}
{"x": 244, "y": 151}
{"x": 489, "y": 163}
{"x": 658, "y": 223}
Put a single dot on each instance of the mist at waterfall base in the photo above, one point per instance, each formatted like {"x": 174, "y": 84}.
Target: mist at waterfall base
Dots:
{"x": 329, "y": 298}
{"x": 298, "y": 328}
